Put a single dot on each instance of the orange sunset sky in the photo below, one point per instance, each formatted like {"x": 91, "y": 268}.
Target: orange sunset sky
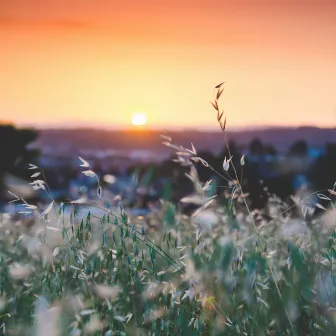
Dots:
{"x": 96, "y": 62}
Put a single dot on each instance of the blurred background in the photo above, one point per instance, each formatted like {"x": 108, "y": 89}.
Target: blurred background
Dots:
{"x": 103, "y": 79}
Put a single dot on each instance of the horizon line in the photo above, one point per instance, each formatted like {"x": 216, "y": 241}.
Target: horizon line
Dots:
{"x": 170, "y": 129}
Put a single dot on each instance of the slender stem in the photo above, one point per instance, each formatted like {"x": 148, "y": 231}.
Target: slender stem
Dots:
{"x": 257, "y": 232}
{"x": 158, "y": 249}
{"x": 291, "y": 207}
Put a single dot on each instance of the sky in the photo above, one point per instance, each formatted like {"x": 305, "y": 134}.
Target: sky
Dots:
{"x": 96, "y": 62}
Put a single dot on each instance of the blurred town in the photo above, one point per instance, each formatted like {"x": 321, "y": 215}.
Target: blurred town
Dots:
{"x": 139, "y": 168}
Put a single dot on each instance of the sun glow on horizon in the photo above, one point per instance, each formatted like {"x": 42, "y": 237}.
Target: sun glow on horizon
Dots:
{"x": 139, "y": 119}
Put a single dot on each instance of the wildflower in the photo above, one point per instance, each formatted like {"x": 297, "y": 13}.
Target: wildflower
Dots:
{"x": 89, "y": 173}
{"x": 242, "y": 160}
{"x": 84, "y": 163}
{"x": 110, "y": 179}
{"x": 107, "y": 292}
{"x": 19, "y": 272}
{"x": 226, "y": 164}
{"x": 208, "y": 302}
{"x": 38, "y": 184}
{"x": 189, "y": 293}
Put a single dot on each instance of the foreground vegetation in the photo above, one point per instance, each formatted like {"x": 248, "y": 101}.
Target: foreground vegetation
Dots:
{"x": 66, "y": 269}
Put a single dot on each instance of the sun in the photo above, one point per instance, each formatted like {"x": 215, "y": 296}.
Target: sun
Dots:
{"x": 139, "y": 119}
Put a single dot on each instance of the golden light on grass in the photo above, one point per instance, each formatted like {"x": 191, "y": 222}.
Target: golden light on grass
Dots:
{"x": 139, "y": 119}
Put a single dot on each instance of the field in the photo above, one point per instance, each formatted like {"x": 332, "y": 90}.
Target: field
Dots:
{"x": 89, "y": 268}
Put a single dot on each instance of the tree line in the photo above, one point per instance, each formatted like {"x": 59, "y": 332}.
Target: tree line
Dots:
{"x": 260, "y": 175}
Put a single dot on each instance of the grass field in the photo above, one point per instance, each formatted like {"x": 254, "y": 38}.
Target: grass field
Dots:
{"x": 225, "y": 270}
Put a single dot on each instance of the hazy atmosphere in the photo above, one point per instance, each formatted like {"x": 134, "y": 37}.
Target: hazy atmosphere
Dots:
{"x": 167, "y": 167}
{"x": 95, "y": 63}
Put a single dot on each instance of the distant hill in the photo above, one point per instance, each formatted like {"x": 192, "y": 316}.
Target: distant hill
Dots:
{"x": 64, "y": 141}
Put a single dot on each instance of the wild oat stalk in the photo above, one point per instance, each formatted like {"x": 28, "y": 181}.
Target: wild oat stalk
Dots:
{"x": 222, "y": 124}
{"x": 220, "y": 113}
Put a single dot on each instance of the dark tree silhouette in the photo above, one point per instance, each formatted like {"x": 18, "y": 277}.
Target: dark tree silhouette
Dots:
{"x": 14, "y": 152}
{"x": 298, "y": 148}
{"x": 256, "y": 147}
{"x": 323, "y": 172}
{"x": 270, "y": 150}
